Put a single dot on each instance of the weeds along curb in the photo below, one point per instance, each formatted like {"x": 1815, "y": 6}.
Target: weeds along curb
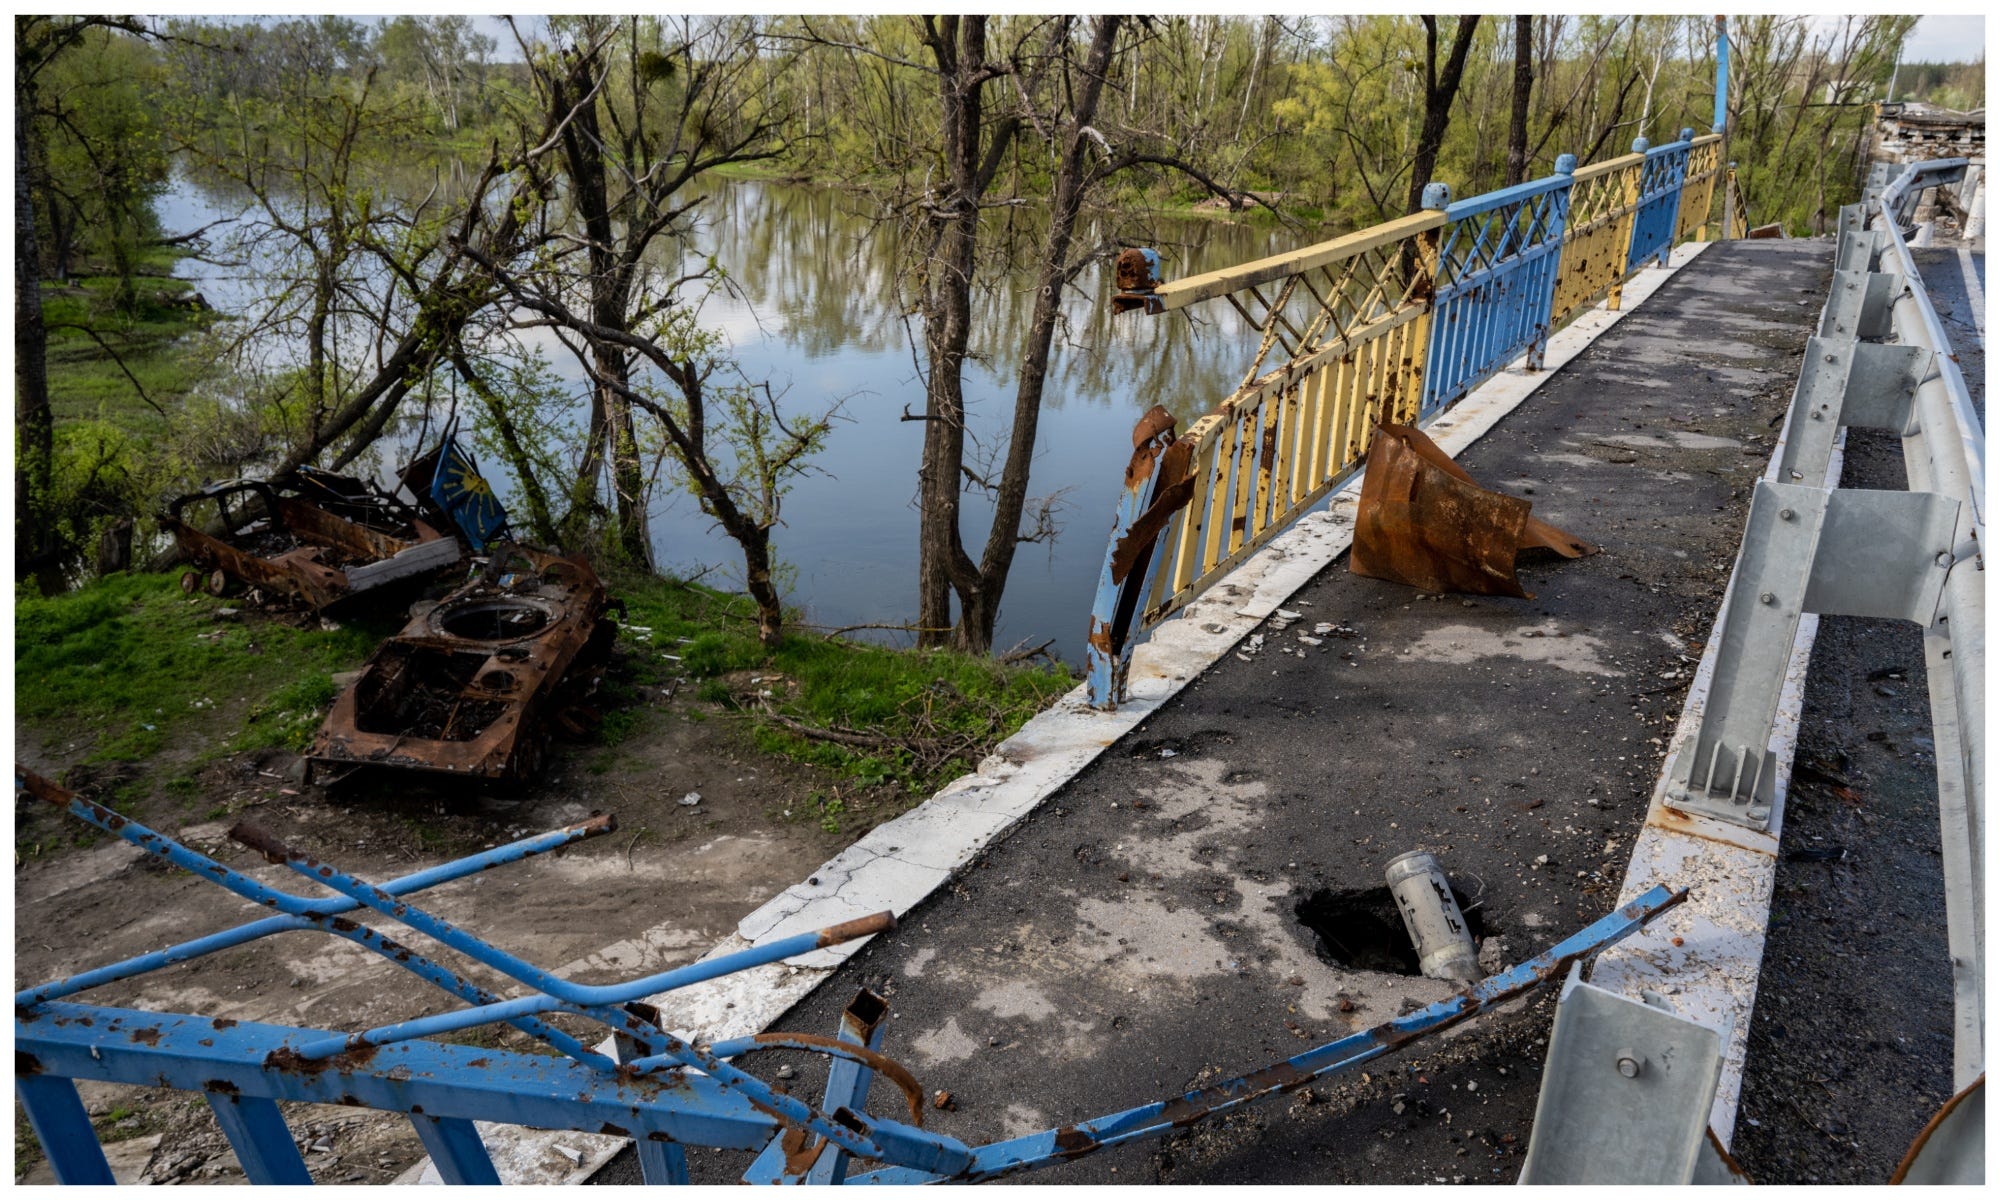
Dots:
{"x": 900, "y": 863}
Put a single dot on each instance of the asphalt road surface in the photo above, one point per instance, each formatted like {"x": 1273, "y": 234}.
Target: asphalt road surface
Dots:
{"x": 1179, "y": 913}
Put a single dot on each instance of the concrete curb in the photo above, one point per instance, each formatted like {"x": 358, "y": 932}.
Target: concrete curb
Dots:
{"x": 900, "y": 863}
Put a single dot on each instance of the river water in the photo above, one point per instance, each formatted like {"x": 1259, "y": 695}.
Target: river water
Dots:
{"x": 812, "y": 310}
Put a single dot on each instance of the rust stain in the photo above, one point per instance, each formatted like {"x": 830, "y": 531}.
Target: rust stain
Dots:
{"x": 859, "y": 927}
{"x": 221, "y": 1087}
{"x": 1072, "y": 1142}
{"x": 1674, "y": 820}
{"x": 288, "y": 1061}
{"x": 149, "y": 1036}
{"x": 897, "y": 1073}
{"x": 1170, "y": 495}
{"x": 802, "y": 1149}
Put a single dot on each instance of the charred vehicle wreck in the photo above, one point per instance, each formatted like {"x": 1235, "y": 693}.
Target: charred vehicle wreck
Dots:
{"x": 317, "y": 539}
{"x": 475, "y": 685}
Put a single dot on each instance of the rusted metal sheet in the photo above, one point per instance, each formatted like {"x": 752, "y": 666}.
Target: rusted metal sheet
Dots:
{"x": 314, "y": 540}
{"x": 470, "y": 686}
{"x": 1422, "y": 521}
{"x": 1138, "y": 279}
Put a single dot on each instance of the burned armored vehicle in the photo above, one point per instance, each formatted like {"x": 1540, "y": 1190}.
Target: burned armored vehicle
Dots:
{"x": 316, "y": 539}
{"x": 474, "y": 685}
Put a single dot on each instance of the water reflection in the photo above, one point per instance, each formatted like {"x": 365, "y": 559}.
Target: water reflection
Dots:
{"x": 813, "y": 307}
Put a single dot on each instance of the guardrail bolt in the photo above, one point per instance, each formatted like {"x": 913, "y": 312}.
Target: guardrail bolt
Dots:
{"x": 1630, "y": 1064}
{"x": 1768, "y": 598}
{"x": 1944, "y": 558}
{"x": 1759, "y": 812}
{"x": 1786, "y": 514}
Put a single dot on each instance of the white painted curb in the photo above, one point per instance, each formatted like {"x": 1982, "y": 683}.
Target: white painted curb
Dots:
{"x": 900, "y": 863}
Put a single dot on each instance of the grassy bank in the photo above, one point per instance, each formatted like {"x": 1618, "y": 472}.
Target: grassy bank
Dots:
{"x": 144, "y": 687}
{"x": 106, "y": 363}
{"x": 873, "y": 713}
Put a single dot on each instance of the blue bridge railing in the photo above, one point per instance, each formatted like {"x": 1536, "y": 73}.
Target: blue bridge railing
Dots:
{"x": 662, "y": 1091}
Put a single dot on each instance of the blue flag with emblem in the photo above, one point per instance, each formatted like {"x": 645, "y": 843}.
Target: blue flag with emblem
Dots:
{"x": 463, "y": 492}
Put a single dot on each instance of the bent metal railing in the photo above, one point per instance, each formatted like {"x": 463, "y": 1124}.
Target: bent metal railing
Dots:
{"x": 1393, "y": 323}
{"x": 662, "y": 1091}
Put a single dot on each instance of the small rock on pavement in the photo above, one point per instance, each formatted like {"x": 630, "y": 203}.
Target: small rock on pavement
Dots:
{"x": 691, "y": 799}
{"x": 785, "y": 1072}
{"x": 944, "y": 1101}
{"x": 1493, "y": 955}
{"x": 574, "y": 1156}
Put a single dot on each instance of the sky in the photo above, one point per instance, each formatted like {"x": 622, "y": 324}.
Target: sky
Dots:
{"x": 1946, "y": 39}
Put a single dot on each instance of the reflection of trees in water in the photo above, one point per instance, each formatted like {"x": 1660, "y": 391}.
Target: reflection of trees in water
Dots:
{"x": 819, "y": 275}
{"x": 822, "y": 277}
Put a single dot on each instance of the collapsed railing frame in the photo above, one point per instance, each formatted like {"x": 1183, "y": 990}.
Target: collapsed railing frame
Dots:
{"x": 1394, "y": 323}
{"x": 663, "y": 1091}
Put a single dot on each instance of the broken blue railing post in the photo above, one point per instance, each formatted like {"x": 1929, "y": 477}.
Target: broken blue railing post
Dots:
{"x": 1156, "y": 485}
{"x": 667, "y": 1094}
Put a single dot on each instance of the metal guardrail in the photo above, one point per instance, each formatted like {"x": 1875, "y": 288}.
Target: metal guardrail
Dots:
{"x": 663, "y": 1091}
{"x": 1394, "y": 323}
{"x": 1880, "y": 360}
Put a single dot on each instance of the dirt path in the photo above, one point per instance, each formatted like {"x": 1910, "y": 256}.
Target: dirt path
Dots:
{"x": 671, "y": 881}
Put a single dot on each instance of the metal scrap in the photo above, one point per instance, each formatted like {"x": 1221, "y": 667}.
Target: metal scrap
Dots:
{"x": 471, "y": 686}
{"x": 316, "y": 538}
{"x": 1422, "y": 521}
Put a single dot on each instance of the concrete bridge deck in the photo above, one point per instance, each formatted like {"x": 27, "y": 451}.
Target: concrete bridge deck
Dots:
{"x": 1150, "y": 927}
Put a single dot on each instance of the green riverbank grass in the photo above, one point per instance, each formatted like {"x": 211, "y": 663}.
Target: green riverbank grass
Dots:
{"x": 932, "y": 713}
{"x": 128, "y": 673}
{"x": 85, "y": 382}
{"x": 129, "y": 670}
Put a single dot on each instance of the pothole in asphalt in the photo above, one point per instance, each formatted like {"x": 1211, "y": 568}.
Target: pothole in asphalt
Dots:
{"x": 1360, "y": 928}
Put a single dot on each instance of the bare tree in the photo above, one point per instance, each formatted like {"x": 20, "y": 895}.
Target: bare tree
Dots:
{"x": 1440, "y": 88}
{"x": 1524, "y": 85}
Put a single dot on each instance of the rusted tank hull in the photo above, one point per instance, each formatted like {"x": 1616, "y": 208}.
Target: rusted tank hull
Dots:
{"x": 1422, "y": 521}
{"x": 470, "y": 687}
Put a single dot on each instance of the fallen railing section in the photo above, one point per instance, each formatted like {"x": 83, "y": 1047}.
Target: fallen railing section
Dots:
{"x": 1392, "y": 324}
{"x": 662, "y": 1091}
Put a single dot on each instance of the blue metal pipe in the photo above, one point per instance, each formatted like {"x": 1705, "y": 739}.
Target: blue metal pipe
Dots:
{"x": 1162, "y": 1117}
{"x": 308, "y": 909}
{"x": 1721, "y": 75}
{"x": 602, "y": 995}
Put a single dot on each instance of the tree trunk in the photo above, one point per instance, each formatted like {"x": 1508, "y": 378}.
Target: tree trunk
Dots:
{"x": 1524, "y": 83}
{"x": 1439, "y": 92}
{"x": 979, "y": 617}
{"x": 610, "y": 288}
{"x": 34, "y": 534}
{"x": 959, "y": 46}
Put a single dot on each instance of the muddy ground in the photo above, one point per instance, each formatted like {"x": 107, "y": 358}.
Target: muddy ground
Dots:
{"x": 667, "y": 885}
